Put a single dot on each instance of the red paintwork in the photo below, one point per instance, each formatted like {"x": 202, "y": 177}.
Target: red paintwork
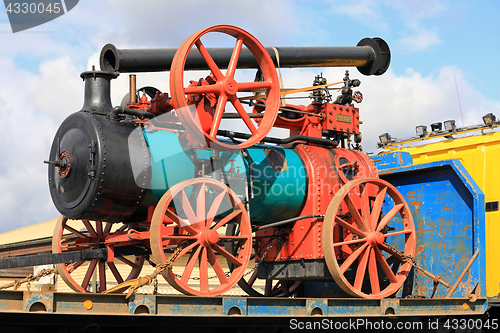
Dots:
{"x": 333, "y": 117}
{"x": 324, "y": 180}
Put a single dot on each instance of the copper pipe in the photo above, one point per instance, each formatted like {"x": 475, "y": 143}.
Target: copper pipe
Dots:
{"x": 132, "y": 88}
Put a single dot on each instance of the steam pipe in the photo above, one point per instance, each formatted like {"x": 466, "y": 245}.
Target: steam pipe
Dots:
{"x": 371, "y": 56}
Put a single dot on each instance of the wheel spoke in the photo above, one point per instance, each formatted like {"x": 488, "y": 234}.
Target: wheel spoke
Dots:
{"x": 228, "y": 218}
{"x": 188, "y": 270}
{"x": 90, "y": 228}
{"x": 102, "y": 276}
{"x": 268, "y": 287}
{"x": 398, "y": 233}
{"x": 233, "y": 62}
{"x": 284, "y": 287}
{"x": 73, "y": 267}
{"x": 220, "y": 250}
{"x": 212, "y": 259}
{"x": 243, "y": 114}
{"x": 214, "y": 208}
{"x": 200, "y": 90}
{"x": 388, "y": 217}
{"x": 360, "y": 272}
{"x": 179, "y": 237}
{"x": 350, "y": 260}
{"x": 126, "y": 261}
{"x": 108, "y": 227}
{"x": 123, "y": 228}
{"x": 234, "y": 238}
{"x": 219, "y": 110}
{"x": 389, "y": 250}
{"x": 200, "y": 203}
{"x": 186, "y": 250}
{"x": 254, "y": 86}
{"x": 365, "y": 207}
{"x": 98, "y": 227}
{"x": 188, "y": 209}
{"x": 349, "y": 227}
{"x": 116, "y": 273}
{"x": 355, "y": 214}
{"x": 208, "y": 58}
{"x": 377, "y": 208}
{"x": 385, "y": 266}
{"x": 373, "y": 272}
{"x": 203, "y": 269}
{"x": 88, "y": 275}
{"x": 252, "y": 278}
{"x": 76, "y": 232}
{"x": 180, "y": 222}
{"x": 354, "y": 241}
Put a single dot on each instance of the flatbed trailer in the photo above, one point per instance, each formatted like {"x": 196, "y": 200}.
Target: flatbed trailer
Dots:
{"x": 74, "y": 312}
{"x": 448, "y": 208}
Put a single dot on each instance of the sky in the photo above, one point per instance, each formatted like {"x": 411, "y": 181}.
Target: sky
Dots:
{"x": 444, "y": 65}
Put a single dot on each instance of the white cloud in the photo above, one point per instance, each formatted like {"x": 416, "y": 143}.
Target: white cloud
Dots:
{"x": 40, "y": 83}
{"x": 419, "y": 40}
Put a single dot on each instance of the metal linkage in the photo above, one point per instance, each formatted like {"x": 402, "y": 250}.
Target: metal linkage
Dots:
{"x": 406, "y": 258}
{"x": 53, "y": 258}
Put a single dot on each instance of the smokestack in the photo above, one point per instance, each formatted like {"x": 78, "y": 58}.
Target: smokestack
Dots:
{"x": 97, "y": 96}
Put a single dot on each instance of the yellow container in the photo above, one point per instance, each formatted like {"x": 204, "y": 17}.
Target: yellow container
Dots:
{"x": 480, "y": 155}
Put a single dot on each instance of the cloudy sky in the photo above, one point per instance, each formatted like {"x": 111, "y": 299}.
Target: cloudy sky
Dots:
{"x": 438, "y": 48}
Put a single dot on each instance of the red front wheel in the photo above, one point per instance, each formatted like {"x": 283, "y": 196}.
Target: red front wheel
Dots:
{"x": 81, "y": 276}
{"x": 197, "y": 213}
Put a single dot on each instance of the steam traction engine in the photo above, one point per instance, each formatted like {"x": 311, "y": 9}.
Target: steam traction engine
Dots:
{"x": 159, "y": 179}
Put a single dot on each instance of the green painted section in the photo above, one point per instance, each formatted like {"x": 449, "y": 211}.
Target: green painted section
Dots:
{"x": 279, "y": 181}
{"x": 170, "y": 164}
{"x": 279, "y": 189}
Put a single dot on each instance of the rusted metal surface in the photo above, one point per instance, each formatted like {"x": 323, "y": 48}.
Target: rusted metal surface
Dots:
{"x": 256, "y": 307}
{"x": 461, "y": 276}
{"x": 448, "y": 209}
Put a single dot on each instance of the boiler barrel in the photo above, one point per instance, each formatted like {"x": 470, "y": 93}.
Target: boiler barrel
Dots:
{"x": 371, "y": 56}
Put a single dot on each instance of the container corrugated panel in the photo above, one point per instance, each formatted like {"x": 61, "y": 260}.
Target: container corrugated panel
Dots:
{"x": 480, "y": 155}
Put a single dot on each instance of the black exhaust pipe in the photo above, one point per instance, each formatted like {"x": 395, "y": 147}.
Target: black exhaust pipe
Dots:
{"x": 371, "y": 56}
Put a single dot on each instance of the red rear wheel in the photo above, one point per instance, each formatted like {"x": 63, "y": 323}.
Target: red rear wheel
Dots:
{"x": 359, "y": 241}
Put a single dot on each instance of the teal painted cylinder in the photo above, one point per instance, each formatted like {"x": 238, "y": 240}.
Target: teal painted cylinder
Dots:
{"x": 279, "y": 180}
{"x": 279, "y": 184}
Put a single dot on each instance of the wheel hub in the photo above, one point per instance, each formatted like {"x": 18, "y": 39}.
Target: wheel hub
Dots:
{"x": 375, "y": 238}
{"x": 230, "y": 86}
{"x": 209, "y": 237}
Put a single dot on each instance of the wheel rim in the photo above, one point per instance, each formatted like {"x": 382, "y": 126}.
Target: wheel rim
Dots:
{"x": 272, "y": 288}
{"x": 86, "y": 235}
{"x": 225, "y": 88}
{"x": 355, "y": 238}
{"x": 198, "y": 208}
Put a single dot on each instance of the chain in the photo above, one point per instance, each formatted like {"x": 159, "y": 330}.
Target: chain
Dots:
{"x": 257, "y": 262}
{"x": 140, "y": 282}
{"x": 30, "y": 278}
{"x": 407, "y": 258}
{"x": 269, "y": 246}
